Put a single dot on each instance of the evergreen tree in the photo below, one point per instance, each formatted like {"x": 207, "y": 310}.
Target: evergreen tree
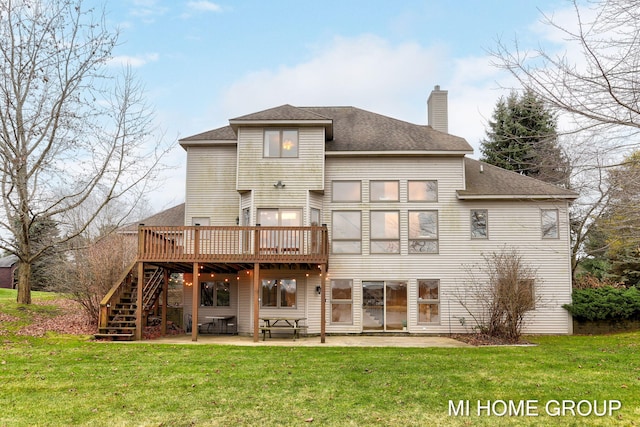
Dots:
{"x": 44, "y": 271}
{"x": 522, "y": 137}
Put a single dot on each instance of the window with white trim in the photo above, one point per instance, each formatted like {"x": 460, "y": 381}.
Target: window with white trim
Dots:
{"x": 384, "y": 191}
{"x": 280, "y": 143}
{"x": 385, "y": 232}
{"x": 342, "y": 301}
{"x": 549, "y": 220}
{"x": 423, "y": 232}
{"x": 479, "y": 227}
{"x": 428, "y": 301}
{"x": 346, "y": 232}
{"x": 279, "y": 293}
{"x": 346, "y": 191}
{"x": 423, "y": 191}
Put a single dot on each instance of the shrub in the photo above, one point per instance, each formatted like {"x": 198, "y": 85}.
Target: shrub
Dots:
{"x": 605, "y": 303}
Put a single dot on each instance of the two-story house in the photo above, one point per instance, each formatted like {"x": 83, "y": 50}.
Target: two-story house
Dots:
{"x": 356, "y": 222}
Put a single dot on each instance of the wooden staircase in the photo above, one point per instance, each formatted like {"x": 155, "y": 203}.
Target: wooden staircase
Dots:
{"x": 118, "y": 308}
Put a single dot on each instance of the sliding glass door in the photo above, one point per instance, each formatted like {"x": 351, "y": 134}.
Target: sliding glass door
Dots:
{"x": 384, "y": 305}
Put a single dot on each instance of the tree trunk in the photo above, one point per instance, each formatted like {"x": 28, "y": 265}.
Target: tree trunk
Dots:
{"x": 24, "y": 283}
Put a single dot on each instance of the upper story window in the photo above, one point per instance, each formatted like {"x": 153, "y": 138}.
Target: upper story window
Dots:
{"x": 384, "y": 191}
{"x": 423, "y": 191}
{"x": 346, "y": 232}
{"x": 479, "y": 229}
{"x": 281, "y": 143}
{"x": 423, "y": 232}
{"x": 385, "y": 232}
{"x": 346, "y": 191}
{"x": 549, "y": 218}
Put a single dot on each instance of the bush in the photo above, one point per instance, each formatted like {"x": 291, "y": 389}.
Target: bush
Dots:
{"x": 605, "y": 303}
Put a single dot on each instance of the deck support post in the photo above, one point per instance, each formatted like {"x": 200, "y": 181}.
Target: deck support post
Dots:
{"x": 256, "y": 301}
{"x": 323, "y": 304}
{"x": 139, "y": 301}
{"x": 195, "y": 302}
{"x": 165, "y": 300}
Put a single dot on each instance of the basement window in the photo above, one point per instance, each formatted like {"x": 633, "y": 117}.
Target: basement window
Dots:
{"x": 279, "y": 293}
{"x": 215, "y": 294}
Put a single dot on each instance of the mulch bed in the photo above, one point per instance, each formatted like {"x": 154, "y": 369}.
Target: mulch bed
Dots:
{"x": 484, "y": 339}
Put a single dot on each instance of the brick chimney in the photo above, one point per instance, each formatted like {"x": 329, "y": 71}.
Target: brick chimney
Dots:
{"x": 437, "y": 115}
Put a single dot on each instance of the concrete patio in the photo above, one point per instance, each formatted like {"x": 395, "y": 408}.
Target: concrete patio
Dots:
{"x": 314, "y": 341}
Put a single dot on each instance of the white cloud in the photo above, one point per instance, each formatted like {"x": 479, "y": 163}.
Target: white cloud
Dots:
{"x": 147, "y": 10}
{"x": 365, "y": 71}
{"x": 371, "y": 73}
{"x": 204, "y": 6}
{"x": 134, "y": 61}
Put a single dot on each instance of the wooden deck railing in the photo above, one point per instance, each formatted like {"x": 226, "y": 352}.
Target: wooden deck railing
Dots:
{"x": 233, "y": 244}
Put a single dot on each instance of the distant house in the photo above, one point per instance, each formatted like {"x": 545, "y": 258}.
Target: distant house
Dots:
{"x": 353, "y": 221}
{"x": 8, "y": 266}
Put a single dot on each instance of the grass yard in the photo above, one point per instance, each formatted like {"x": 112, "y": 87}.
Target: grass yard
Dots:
{"x": 62, "y": 380}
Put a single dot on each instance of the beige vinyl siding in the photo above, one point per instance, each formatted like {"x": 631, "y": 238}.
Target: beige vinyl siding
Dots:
{"x": 203, "y": 311}
{"x": 211, "y": 185}
{"x": 512, "y": 223}
{"x": 307, "y": 306}
{"x": 300, "y": 174}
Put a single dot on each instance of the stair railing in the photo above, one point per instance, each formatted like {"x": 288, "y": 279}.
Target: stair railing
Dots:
{"x": 151, "y": 288}
{"x": 114, "y": 294}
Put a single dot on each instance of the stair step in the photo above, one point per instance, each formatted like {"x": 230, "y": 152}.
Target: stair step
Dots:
{"x": 122, "y": 337}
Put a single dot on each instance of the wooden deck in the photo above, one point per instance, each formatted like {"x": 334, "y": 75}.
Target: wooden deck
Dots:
{"x": 232, "y": 248}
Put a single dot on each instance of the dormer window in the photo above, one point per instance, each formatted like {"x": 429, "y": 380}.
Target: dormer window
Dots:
{"x": 281, "y": 143}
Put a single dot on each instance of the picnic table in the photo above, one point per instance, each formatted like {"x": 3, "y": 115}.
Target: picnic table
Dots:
{"x": 221, "y": 321}
{"x": 286, "y": 324}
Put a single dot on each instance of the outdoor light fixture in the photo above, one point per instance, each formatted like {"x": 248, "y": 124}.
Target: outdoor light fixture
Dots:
{"x": 318, "y": 290}
{"x": 278, "y": 185}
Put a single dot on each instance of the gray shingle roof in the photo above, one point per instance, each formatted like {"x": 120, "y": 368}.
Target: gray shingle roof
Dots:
{"x": 283, "y": 112}
{"x": 351, "y": 129}
{"x": 355, "y": 129}
{"x": 225, "y": 133}
{"x": 487, "y": 181}
{"x": 170, "y": 217}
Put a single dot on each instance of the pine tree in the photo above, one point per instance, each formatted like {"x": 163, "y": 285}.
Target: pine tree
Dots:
{"x": 522, "y": 137}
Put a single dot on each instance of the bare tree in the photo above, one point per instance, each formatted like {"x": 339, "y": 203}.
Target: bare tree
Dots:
{"x": 71, "y": 133}
{"x": 498, "y": 294}
{"x": 595, "y": 85}
{"x": 601, "y": 84}
{"x": 92, "y": 270}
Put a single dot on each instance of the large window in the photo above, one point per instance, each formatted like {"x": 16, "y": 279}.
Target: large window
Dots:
{"x": 279, "y": 293}
{"x": 479, "y": 228}
{"x": 274, "y": 241}
{"x": 549, "y": 218}
{"x": 341, "y": 301}
{"x": 385, "y": 232}
{"x": 429, "y": 301}
{"x": 281, "y": 143}
{"x": 384, "y": 191}
{"x": 346, "y": 232}
{"x": 215, "y": 294}
{"x": 346, "y": 191}
{"x": 423, "y": 232}
{"x": 423, "y": 191}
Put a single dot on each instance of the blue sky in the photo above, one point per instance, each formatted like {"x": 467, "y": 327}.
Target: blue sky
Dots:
{"x": 204, "y": 62}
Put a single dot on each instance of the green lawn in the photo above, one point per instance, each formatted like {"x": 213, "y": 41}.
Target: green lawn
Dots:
{"x": 67, "y": 380}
